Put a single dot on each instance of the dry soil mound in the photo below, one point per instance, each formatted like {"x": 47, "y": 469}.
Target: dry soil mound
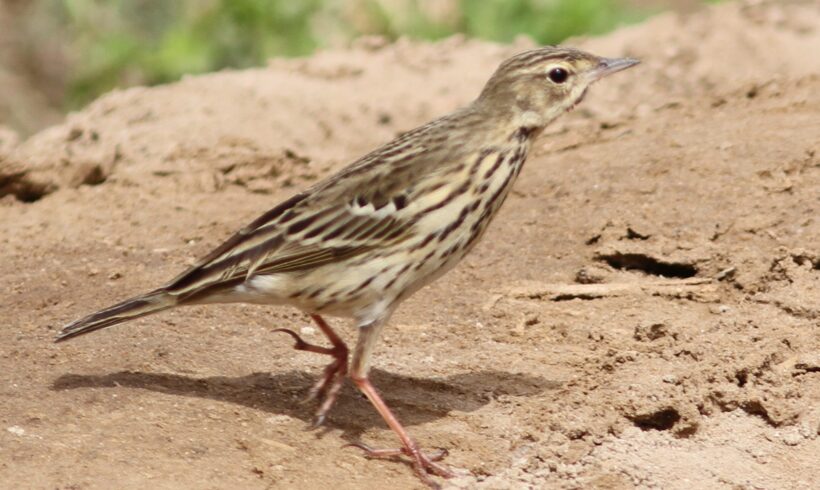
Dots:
{"x": 644, "y": 312}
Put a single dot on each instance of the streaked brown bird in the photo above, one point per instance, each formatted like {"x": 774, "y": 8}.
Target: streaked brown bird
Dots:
{"x": 361, "y": 241}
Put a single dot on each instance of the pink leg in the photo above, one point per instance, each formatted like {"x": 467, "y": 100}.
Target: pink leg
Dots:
{"x": 422, "y": 464}
{"x": 329, "y": 385}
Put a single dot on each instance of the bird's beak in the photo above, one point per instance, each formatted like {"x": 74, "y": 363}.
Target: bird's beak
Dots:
{"x": 608, "y": 66}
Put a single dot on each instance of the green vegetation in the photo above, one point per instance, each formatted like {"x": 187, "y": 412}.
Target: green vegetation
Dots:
{"x": 125, "y": 42}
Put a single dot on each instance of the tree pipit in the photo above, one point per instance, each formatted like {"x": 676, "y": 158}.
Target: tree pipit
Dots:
{"x": 361, "y": 241}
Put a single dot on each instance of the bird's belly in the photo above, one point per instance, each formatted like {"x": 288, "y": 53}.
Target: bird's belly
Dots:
{"x": 346, "y": 288}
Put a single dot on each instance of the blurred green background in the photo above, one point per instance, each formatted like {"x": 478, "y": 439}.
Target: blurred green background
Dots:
{"x": 71, "y": 51}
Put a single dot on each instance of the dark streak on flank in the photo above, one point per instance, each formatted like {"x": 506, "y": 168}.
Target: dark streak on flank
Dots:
{"x": 495, "y": 166}
{"x": 425, "y": 259}
{"x": 477, "y": 230}
{"x": 455, "y": 224}
{"x": 490, "y": 204}
{"x": 516, "y": 167}
{"x": 450, "y": 197}
{"x": 424, "y": 242}
{"x": 432, "y": 188}
{"x": 398, "y": 275}
{"x": 456, "y": 169}
{"x": 481, "y": 156}
{"x": 519, "y": 156}
{"x": 363, "y": 285}
{"x": 450, "y": 251}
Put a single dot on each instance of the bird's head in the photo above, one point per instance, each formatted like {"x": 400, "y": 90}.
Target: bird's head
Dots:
{"x": 537, "y": 86}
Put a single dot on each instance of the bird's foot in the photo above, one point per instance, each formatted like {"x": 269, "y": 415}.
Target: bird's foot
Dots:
{"x": 329, "y": 385}
{"x": 423, "y": 464}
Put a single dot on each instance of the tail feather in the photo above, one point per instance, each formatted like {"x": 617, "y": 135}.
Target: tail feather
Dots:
{"x": 129, "y": 309}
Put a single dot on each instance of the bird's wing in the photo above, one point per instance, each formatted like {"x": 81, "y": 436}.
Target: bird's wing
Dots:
{"x": 358, "y": 210}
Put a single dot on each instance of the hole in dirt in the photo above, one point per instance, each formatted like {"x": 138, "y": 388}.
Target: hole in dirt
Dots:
{"x": 95, "y": 176}
{"x": 803, "y": 259}
{"x": 742, "y": 377}
{"x": 26, "y": 192}
{"x": 650, "y": 265}
{"x": 756, "y": 408}
{"x": 572, "y": 296}
{"x": 631, "y": 234}
{"x": 653, "y": 332}
{"x": 661, "y": 420}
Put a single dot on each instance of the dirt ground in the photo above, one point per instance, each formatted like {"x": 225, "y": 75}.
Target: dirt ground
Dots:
{"x": 644, "y": 313}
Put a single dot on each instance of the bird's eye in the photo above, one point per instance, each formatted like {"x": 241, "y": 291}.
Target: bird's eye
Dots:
{"x": 558, "y": 75}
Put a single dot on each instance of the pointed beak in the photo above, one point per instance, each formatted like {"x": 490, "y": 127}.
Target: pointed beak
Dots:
{"x": 608, "y": 66}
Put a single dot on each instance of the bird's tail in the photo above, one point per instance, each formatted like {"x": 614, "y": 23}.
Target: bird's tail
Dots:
{"x": 129, "y": 309}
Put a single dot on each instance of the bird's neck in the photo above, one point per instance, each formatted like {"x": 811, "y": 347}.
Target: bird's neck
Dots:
{"x": 516, "y": 126}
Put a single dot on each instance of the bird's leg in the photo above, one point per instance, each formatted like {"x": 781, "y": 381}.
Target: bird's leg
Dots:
{"x": 330, "y": 383}
{"x": 422, "y": 463}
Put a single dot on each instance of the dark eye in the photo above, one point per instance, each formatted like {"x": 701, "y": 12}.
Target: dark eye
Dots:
{"x": 558, "y": 75}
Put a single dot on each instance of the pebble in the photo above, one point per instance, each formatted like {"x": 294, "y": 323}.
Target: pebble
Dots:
{"x": 792, "y": 438}
{"x": 17, "y": 431}
{"x": 279, "y": 419}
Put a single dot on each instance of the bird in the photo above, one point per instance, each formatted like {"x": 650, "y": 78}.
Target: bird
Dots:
{"x": 358, "y": 243}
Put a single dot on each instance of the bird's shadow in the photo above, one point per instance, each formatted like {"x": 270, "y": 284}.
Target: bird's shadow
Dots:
{"x": 414, "y": 400}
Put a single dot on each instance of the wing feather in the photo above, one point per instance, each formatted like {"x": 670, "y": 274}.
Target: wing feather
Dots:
{"x": 368, "y": 205}
{"x": 265, "y": 247}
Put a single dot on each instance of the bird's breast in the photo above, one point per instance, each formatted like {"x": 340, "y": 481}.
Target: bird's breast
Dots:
{"x": 457, "y": 215}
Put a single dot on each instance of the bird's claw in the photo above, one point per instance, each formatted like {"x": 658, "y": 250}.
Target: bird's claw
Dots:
{"x": 318, "y": 420}
{"x": 422, "y": 463}
{"x": 371, "y": 452}
{"x": 330, "y": 383}
{"x": 299, "y": 344}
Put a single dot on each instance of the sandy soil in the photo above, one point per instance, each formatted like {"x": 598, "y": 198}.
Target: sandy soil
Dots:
{"x": 644, "y": 313}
